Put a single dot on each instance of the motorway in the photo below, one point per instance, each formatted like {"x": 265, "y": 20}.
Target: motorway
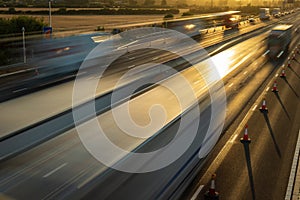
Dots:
{"x": 57, "y": 98}
{"x": 62, "y": 168}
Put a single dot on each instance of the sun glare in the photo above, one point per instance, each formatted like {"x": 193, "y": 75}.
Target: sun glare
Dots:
{"x": 223, "y": 61}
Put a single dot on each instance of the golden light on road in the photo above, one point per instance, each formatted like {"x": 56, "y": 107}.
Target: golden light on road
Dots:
{"x": 189, "y": 26}
{"x": 223, "y": 61}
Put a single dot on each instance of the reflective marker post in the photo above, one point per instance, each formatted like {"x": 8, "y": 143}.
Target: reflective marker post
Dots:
{"x": 24, "y": 48}
{"x": 50, "y": 23}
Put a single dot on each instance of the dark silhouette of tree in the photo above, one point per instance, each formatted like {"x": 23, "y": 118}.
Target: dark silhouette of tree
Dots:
{"x": 163, "y": 2}
{"x": 149, "y": 2}
{"x": 132, "y": 2}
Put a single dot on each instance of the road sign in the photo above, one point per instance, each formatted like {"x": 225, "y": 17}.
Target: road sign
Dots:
{"x": 47, "y": 30}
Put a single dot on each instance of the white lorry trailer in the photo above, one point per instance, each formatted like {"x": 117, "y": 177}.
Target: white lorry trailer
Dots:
{"x": 279, "y": 40}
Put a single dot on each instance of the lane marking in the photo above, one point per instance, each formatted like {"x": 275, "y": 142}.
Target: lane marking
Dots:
{"x": 131, "y": 66}
{"x": 289, "y": 189}
{"x": 196, "y": 82}
{"x": 278, "y": 56}
{"x": 231, "y": 84}
{"x": 253, "y": 109}
{"x": 80, "y": 185}
{"x": 266, "y": 53}
{"x": 19, "y": 90}
{"x": 276, "y": 75}
{"x": 90, "y": 78}
{"x": 126, "y": 45}
{"x": 16, "y": 72}
{"x": 155, "y": 58}
{"x": 267, "y": 89}
{"x": 81, "y": 73}
{"x": 245, "y": 72}
{"x": 233, "y": 139}
{"x": 194, "y": 197}
{"x": 54, "y": 170}
{"x": 131, "y": 58}
{"x": 104, "y": 66}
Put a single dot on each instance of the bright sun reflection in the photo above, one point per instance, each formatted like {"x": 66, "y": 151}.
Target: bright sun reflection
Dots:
{"x": 190, "y": 26}
{"x": 223, "y": 61}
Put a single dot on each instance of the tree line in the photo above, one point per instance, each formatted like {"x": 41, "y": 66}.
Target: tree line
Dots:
{"x": 103, "y": 11}
{"x": 14, "y": 25}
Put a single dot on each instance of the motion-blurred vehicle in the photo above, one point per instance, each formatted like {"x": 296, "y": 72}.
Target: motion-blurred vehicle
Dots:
{"x": 251, "y": 20}
{"x": 264, "y": 13}
{"x": 277, "y": 16}
{"x": 276, "y": 12}
{"x": 116, "y": 31}
{"x": 232, "y": 21}
{"x": 279, "y": 40}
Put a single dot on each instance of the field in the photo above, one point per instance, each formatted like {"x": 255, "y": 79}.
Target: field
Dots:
{"x": 91, "y": 22}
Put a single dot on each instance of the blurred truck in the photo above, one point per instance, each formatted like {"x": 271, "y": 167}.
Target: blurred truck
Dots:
{"x": 279, "y": 40}
{"x": 232, "y": 21}
{"x": 264, "y": 13}
{"x": 276, "y": 12}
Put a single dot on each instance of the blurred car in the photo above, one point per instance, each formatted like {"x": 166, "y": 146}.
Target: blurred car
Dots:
{"x": 277, "y": 15}
{"x": 252, "y": 20}
{"x": 116, "y": 31}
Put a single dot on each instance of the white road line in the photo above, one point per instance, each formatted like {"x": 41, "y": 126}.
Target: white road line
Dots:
{"x": 81, "y": 73}
{"x": 276, "y": 75}
{"x": 104, "y": 66}
{"x": 196, "y": 82}
{"x": 289, "y": 189}
{"x": 16, "y": 72}
{"x": 15, "y": 91}
{"x": 231, "y": 84}
{"x": 90, "y": 78}
{"x": 155, "y": 58}
{"x": 197, "y": 192}
{"x": 266, "y": 53}
{"x": 245, "y": 72}
{"x": 233, "y": 139}
{"x": 131, "y": 58}
{"x": 89, "y": 179}
{"x": 267, "y": 89}
{"x": 253, "y": 109}
{"x": 131, "y": 66}
{"x": 54, "y": 170}
{"x": 126, "y": 45}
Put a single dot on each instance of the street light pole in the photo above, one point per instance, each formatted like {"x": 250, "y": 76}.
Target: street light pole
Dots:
{"x": 24, "y": 48}
{"x": 50, "y": 23}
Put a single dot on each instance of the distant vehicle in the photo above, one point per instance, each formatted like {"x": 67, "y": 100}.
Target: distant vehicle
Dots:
{"x": 279, "y": 40}
{"x": 192, "y": 25}
{"x": 277, "y": 15}
{"x": 116, "y": 31}
{"x": 276, "y": 12}
{"x": 232, "y": 21}
{"x": 264, "y": 13}
{"x": 251, "y": 20}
